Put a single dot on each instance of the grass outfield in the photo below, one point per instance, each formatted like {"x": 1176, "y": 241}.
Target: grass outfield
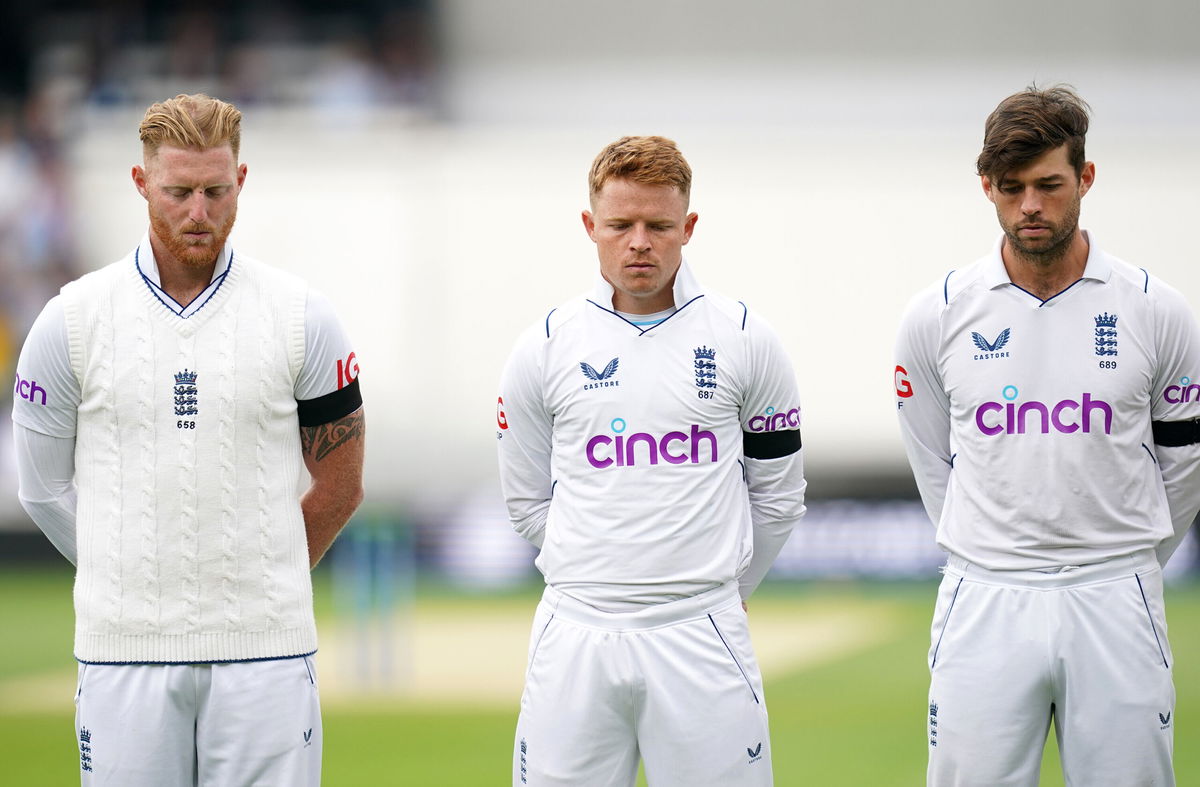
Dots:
{"x": 845, "y": 710}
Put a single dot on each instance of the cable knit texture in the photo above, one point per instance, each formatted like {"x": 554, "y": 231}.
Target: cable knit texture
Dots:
{"x": 191, "y": 540}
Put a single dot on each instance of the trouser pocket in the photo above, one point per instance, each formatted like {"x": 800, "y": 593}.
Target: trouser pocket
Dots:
{"x": 737, "y": 662}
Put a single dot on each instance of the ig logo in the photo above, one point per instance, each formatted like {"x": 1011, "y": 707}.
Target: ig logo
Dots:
{"x": 347, "y": 371}
{"x": 904, "y": 388}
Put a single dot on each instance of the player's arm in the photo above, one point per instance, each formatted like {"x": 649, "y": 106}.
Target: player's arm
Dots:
{"x": 773, "y": 457}
{"x": 46, "y": 399}
{"x": 46, "y": 485}
{"x": 1176, "y": 425}
{"x": 524, "y": 437}
{"x": 332, "y": 428}
{"x": 921, "y": 401}
{"x": 333, "y": 454}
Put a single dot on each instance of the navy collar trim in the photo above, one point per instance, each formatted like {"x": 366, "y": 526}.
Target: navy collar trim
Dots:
{"x": 646, "y": 329}
{"x": 183, "y": 311}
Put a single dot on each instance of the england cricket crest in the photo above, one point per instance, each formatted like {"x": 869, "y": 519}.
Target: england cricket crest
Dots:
{"x": 1106, "y": 334}
{"x": 705, "y": 368}
{"x": 185, "y": 394}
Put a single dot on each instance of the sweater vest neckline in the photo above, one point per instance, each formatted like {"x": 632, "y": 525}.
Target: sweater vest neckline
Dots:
{"x": 186, "y": 326}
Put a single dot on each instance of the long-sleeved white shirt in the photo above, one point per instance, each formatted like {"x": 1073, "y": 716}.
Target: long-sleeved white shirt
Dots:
{"x": 651, "y": 464}
{"x": 1028, "y": 423}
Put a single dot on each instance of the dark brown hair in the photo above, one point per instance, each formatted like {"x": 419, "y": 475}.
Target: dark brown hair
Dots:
{"x": 1027, "y": 124}
{"x": 652, "y": 160}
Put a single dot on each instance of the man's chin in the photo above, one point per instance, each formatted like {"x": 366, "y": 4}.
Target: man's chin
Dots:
{"x": 1044, "y": 247}
{"x": 196, "y": 256}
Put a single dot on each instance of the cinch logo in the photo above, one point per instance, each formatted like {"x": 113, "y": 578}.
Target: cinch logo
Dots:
{"x": 1067, "y": 416}
{"x": 774, "y": 420}
{"x": 623, "y": 451}
{"x": 904, "y": 388}
{"x": 28, "y": 389}
{"x": 1186, "y": 391}
{"x": 347, "y": 371}
{"x": 501, "y": 418}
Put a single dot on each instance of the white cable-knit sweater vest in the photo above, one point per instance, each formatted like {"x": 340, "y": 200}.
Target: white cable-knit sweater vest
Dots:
{"x": 188, "y": 464}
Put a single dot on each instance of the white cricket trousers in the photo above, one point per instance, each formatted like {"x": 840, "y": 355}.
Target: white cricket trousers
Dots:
{"x": 1084, "y": 645}
{"x": 676, "y": 684}
{"x": 208, "y": 725}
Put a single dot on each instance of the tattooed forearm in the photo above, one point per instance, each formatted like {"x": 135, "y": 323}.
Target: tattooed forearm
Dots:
{"x": 319, "y": 441}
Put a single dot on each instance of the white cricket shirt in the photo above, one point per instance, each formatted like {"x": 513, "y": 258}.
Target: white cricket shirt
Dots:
{"x": 622, "y": 448}
{"x": 1028, "y": 422}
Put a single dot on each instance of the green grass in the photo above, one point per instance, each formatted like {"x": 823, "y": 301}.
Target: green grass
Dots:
{"x": 857, "y": 720}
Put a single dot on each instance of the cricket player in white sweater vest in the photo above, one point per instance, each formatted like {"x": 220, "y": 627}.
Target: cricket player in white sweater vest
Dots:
{"x": 168, "y": 404}
{"x": 649, "y": 441}
{"x": 1048, "y": 397}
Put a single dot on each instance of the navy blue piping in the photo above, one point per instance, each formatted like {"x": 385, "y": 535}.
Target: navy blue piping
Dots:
{"x": 155, "y": 289}
{"x": 311, "y": 678}
{"x": 952, "y": 458}
{"x": 1052, "y": 297}
{"x": 537, "y": 646}
{"x": 640, "y": 330}
{"x": 1146, "y": 286}
{"x": 1152, "y": 459}
{"x": 737, "y": 663}
{"x": 1150, "y": 617}
{"x": 945, "y": 623}
{"x": 552, "y": 311}
{"x": 946, "y": 287}
{"x": 553, "y": 484}
{"x": 745, "y": 314}
{"x": 219, "y": 661}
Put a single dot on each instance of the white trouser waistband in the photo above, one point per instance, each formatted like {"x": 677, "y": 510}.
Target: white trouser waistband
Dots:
{"x": 650, "y": 617}
{"x": 1059, "y": 576}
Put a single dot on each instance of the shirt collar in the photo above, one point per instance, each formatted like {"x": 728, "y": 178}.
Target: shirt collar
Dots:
{"x": 685, "y": 288}
{"x": 1097, "y": 267}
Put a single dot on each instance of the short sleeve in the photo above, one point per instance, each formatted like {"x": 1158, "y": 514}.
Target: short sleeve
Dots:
{"x": 327, "y": 386}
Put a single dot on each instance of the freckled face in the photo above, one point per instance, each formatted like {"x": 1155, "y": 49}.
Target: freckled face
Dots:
{"x": 639, "y": 230}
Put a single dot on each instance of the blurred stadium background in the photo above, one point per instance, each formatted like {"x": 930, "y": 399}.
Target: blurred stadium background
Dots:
{"x": 423, "y": 162}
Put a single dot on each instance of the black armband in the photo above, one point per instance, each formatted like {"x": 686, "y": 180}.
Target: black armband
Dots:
{"x": 1176, "y": 433}
{"x": 330, "y": 407}
{"x": 770, "y": 445}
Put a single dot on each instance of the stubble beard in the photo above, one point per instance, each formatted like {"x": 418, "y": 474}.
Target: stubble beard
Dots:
{"x": 1053, "y": 250}
{"x": 190, "y": 254}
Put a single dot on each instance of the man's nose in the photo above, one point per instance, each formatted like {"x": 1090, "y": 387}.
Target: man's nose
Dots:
{"x": 639, "y": 239}
{"x": 1031, "y": 202}
{"x": 198, "y": 207}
